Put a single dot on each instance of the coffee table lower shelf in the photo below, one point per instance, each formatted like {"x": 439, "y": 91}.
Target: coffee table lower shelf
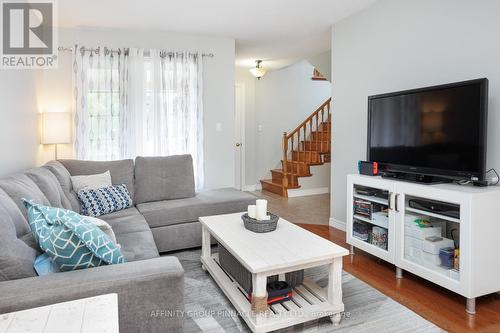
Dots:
{"x": 310, "y": 302}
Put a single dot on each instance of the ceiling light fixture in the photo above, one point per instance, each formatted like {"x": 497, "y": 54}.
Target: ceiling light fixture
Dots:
{"x": 258, "y": 71}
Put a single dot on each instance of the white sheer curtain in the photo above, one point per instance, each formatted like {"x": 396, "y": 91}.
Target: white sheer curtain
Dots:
{"x": 165, "y": 104}
{"x": 144, "y": 103}
{"x": 99, "y": 76}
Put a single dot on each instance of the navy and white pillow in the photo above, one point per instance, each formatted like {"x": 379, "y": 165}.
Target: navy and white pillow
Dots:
{"x": 109, "y": 199}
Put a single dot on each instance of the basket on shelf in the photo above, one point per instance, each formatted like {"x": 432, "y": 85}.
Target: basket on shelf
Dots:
{"x": 260, "y": 226}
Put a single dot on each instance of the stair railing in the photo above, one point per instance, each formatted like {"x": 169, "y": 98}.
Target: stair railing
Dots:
{"x": 314, "y": 123}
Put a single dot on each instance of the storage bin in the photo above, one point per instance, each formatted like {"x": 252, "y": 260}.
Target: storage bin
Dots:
{"x": 414, "y": 230}
{"x": 244, "y": 278}
{"x": 431, "y": 259}
{"x": 447, "y": 257}
{"x": 434, "y": 247}
{"x": 414, "y": 242}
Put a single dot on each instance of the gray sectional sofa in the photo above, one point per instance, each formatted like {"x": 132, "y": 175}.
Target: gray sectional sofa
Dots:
{"x": 164, "y": 217}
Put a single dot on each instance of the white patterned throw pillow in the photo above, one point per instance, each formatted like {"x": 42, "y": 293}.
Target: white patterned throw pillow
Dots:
{"x": 105, "y": 227}
{"x": 91, "y": 182}
{"x": 109, "y": 199}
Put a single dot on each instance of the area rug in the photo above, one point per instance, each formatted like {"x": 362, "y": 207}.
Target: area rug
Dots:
{"x": 366, "y": 309}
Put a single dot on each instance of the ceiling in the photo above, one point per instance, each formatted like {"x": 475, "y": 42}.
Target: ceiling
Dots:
{"x": 275, "y": 30}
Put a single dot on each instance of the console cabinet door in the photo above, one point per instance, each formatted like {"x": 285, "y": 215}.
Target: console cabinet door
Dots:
{"x": 371, "y": 215}
{"x": 426, "y": 240}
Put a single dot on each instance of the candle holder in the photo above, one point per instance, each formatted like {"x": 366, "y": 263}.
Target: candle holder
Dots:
{"x": 260, "y": 226}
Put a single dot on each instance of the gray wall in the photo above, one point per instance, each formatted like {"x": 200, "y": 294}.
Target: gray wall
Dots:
{"x": 397, "y": 45}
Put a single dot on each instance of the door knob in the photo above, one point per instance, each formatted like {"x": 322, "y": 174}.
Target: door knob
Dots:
{"x": 238, "y": 144}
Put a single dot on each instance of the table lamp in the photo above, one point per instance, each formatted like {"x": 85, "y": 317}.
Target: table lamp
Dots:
{"x": 56, "y": 129}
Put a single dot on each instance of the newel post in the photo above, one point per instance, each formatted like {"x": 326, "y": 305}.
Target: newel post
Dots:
{"x": 284, "y": 181}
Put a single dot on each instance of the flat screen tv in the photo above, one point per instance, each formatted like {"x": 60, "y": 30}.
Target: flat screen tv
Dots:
{"x": 430, "y": 133}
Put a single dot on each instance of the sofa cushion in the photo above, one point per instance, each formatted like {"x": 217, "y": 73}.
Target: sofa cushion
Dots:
{"x": 20, "y": 187}
{"x": 64, "y": 178}
{"x": 122, "y": 172}
{"x": 50, "y": 187}
{"x": 163, "y": 178}
{"x": 11, "y": 218}
{"x": 205, "y": 203}
{"x": 133, "y": 234}
{"x": 126, "y": 221}
{"x": 16, "y": 257}
{"x": 138, "y": 245}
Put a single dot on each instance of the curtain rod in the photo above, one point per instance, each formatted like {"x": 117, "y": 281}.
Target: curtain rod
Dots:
{"x": 70, "y": 49}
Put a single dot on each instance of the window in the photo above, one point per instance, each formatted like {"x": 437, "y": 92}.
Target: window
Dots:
{"x": 136, "y": 105}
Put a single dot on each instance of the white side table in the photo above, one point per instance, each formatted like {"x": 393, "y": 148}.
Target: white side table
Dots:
{"x": 88, "y": 315}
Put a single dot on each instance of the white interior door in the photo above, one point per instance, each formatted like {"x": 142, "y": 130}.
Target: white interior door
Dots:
{"x": 239, "y": 130}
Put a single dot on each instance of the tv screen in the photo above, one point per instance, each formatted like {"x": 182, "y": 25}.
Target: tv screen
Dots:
{"x": 438, "y": 131}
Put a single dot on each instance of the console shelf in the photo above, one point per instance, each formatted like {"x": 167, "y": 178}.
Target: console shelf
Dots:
{"x": 430, "y": 214}
{"x": 434, "y": 246}
{"x": 372, "y": 199}
{"x": 367, "y": 220}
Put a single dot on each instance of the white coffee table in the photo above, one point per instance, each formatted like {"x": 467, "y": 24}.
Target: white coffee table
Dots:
{"x": 289, "y": 248}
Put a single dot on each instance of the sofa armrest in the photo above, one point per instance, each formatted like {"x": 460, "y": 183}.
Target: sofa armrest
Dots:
{"x": 150, "y": 292}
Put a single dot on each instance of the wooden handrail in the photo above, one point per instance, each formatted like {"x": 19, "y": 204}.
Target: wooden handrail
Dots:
{"x": 318, "y": 110}
{"x": 315, "y": 121}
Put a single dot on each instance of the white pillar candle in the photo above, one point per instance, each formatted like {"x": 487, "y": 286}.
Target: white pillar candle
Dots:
{"x": 261, "y": 209}
{"x": 252, "y": 211}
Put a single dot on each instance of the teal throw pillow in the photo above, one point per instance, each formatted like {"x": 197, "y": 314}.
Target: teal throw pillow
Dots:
{"x": 70, "y": 239}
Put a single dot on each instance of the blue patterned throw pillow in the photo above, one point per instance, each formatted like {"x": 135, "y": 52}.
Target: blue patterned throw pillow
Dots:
{"x": 45, "y": 265}
{"x": 105, "y": 200}
{"x": 70, "y": 239}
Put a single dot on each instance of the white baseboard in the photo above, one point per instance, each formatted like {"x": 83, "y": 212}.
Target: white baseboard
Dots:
{"x": 307, "y": 191}
{"x": 337, "y": 224}
{"x": 252, "y": 188}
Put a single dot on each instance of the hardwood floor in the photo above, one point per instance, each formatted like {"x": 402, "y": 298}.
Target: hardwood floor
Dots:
{"x": 438, "y": 305}
{"x": 312, "y": 209}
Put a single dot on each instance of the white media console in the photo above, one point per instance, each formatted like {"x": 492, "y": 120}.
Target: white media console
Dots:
{"x": 384, "y": 225}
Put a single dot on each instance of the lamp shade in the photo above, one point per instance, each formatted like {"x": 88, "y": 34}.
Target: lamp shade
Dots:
{"x": 56, "y": 128}
{"x": 258, "y": 72}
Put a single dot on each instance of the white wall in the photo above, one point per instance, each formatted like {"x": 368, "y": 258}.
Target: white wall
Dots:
{"x": 282, "y": 100}
{"x": 323, "y": 63}
{"x": 19, "y": 136}
{"x": 55, "y": 87}
{"x": 396, "y": 45}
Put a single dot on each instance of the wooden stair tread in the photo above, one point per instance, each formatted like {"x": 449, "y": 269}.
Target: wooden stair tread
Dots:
{"x": 304, "y": 163}
{"x": 293, "y": 174}
{"x": 272, "y": 183}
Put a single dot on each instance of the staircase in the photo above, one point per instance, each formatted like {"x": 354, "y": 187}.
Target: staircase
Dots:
{"x": 308, "y": 144}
